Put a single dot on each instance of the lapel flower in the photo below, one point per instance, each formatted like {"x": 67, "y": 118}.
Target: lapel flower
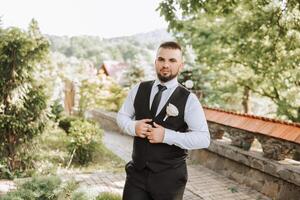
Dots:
{"x": 189, "y": 84}
{"x": 172, "y": 111}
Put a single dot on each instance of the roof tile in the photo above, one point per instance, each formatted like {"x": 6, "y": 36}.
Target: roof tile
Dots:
{"x": 256, "y": 124}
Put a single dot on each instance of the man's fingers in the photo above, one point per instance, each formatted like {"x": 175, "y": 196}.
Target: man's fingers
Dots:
{"x": 147, "y": 126}
{"x": 147, "y": 134}
{"x": 156, "y": 125}
{"x": 142, "y": 135}
{"x": 146, "y": 120}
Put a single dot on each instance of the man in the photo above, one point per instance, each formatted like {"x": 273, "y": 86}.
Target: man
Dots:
{"x": 166, "y": 120}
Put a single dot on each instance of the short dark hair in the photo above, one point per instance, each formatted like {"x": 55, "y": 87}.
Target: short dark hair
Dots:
{"x": 170, "y": 45}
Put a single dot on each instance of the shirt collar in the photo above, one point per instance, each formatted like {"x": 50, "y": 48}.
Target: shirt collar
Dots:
{"x": 170, "y": 84}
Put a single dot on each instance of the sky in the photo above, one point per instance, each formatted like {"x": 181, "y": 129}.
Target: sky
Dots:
{"x": 104, "y": 18}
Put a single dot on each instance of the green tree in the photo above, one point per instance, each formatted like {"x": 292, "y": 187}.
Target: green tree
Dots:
{"x": 22, "y": 99}
{"x": 243, "y": 47}
{"x": 100, "y": 92}
{"x": 134, "y": 74}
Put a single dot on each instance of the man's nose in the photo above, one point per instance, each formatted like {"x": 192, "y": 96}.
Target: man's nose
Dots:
{"x": 166, "y": 65}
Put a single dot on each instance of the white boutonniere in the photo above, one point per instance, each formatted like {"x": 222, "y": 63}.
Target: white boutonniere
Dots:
{"x": 172, "y": 111}
{"x": 189, "y": 84}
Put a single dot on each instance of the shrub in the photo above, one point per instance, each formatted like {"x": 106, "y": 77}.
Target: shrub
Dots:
{"x": 56, "y": 111}
{"x": 24, "y": 162}
{"x": 45, "y": 188}
{"x": 68, "y": 192}
{"x": 83, "y": 142}
{"x": 4, "y": 171}
{"x": 65, "y": 123}
{"x": 39, "y": 188}
{"x": 108, "y": 196}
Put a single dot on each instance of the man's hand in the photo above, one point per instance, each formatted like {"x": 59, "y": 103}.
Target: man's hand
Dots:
{"x": 141, "y": 127}
{"x": 156, "y": 134}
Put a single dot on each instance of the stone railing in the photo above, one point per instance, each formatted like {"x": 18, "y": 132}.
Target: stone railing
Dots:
{"x": 277, "y": 139}
{"x": 273, "y": 148}
{"x": 236, "y": 153}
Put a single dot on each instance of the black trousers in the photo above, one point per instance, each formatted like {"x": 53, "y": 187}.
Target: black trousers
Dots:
{"x": 147, "y": 185}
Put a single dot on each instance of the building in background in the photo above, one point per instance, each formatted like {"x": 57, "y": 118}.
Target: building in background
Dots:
{"x": 115, "y": 70}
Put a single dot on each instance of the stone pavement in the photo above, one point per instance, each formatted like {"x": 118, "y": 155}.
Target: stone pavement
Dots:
{"x": 203, "y": 183}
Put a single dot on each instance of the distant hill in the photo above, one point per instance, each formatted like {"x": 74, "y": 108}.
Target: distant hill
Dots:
{"x": 153, "y": 37}
{"x": 141, "y": 47}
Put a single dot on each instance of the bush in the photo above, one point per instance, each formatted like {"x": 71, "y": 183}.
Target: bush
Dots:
{"x": 24, "y": 164}
{"x": 108, "y": 196}
{"x": 45, "y": 188}
{"x": 68, "y": 192}
{"x": 65, "y": 123}
{"x": 83, "y": 141}
{"x": 39, "y": 188}
{"x": 56, "y": 111}
{"x": 4, "y": 171}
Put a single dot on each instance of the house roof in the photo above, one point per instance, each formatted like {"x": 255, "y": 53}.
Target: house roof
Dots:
{"x": 271, "y": 127}
{"x": 113, "y": 68}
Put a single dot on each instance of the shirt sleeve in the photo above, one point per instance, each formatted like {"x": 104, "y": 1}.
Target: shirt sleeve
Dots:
{"x": 198, "y": 136}
{"x": 125, "y": 116}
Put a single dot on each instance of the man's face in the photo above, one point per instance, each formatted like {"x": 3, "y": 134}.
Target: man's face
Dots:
{"x": 168, "y": 63}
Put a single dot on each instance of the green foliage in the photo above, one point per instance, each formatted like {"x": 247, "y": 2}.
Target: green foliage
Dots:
{"x": 241, "y": 46}
{"x": 24, "y": 165}
{"x": 98, "y": 50}
{"x": 22, "y": 99}
{"x": 108, "y": 196}
{"x": 45, "y": 188}
{"x": 83, "y": 143}
{"x": 65, "y": 123}
{"x": 67, "y": 191}
{"x": 52, "y": 151}
{"x": 56, "y": 111}
{"x": 101, "y": 93}
{"x": 4, "y": 171}
{"x": 39, "y": 188}
{"x": 134, "y": 75}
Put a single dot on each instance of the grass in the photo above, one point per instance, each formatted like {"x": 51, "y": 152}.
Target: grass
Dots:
{"x": 51, "y": 154}
{"x": 108, "y": 196}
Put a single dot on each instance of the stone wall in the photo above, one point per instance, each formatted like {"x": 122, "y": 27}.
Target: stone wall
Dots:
{"x": 276, "y": 179}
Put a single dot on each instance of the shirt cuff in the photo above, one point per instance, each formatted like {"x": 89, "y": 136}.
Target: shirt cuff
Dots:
{"x": 169, "y": 137}
{"x": 131, "y": 128}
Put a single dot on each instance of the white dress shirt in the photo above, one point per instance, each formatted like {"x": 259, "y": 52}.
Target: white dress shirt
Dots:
{"x": 197, "y": 136}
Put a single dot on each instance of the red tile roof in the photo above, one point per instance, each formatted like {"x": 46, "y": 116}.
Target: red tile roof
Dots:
{"x": 271, "y": 127}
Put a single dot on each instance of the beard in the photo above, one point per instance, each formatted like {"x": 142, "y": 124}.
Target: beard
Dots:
{"x": 166, "y": 78}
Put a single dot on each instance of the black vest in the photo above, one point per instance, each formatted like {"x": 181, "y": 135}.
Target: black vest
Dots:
{"x": 160, "y": 156}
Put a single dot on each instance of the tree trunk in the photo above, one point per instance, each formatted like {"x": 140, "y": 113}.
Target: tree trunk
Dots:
{"x": 10, "y": 150}
{"x": 246, "y": 100}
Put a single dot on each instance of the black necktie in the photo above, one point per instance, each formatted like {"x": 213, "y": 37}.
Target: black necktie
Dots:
{"x": 156, "y": 99}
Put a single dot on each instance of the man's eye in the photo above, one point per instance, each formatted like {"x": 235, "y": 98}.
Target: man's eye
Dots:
{"x": 160, "y": 59}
